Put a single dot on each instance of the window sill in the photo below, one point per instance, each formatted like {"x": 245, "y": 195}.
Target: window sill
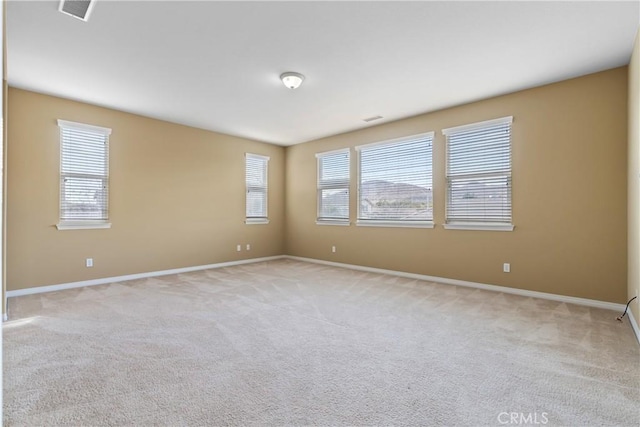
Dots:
{"x": 82, "y": 225}
{"x": 401, "y": 224}
{"x": 256, "y": 221}
{"x": 338, "y": 222}
{"x": 479, "y": 226}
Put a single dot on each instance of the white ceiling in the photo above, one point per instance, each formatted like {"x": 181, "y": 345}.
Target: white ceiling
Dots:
{"x": 215, "y": 65}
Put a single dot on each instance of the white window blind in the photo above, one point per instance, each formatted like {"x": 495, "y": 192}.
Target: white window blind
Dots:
{"x": 256, "y": 187}
{"x": 333, "y": 186}
{"x": 479, "y": 174}
{"x": 395, "y": 182}
{"x": 84, "y": 173}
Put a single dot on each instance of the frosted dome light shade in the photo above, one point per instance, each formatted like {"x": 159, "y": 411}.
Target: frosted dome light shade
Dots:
{"x": 292, "y": 80}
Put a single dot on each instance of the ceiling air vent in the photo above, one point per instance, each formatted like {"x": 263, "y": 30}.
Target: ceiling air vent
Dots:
{"x": 77, "y": 8}
{"x": 370, "y": 119}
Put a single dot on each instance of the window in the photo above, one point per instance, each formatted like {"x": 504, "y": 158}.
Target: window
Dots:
{"x": 84, "y": 176}
{"x": 333, "y": 187}
{"x": 257, "y": 186}
{"x": 394, "y": 182}
{"x": 479, "y": 176}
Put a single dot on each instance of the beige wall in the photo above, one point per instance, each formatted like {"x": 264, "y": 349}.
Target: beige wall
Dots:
{"x": 176, "y": 196}
{"x": 569, "y": 196}
{"x": 634, "y": 181}
{"x": 174, "y": 205}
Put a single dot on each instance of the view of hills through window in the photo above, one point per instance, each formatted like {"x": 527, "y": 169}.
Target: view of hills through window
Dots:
{"x": 396, "y": 180}
{"x": 395, "y": 201}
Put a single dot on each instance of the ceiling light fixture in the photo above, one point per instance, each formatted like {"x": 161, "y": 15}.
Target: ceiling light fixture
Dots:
{"x": 292, "y": 80}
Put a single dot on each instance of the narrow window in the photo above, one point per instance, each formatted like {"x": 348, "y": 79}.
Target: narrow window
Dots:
{"x": 256, "y": 173}
{"x": 479, "y": 176}
{"x": 395, "y": 182}
{"x": 84, "y": 176}
{"x": 333, "y": 187}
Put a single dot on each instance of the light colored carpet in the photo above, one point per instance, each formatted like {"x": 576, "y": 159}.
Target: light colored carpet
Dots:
{"x": 293, "y": 343}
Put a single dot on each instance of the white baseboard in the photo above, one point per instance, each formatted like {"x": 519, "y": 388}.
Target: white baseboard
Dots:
{"x": 495, "y": 288}
{"x": 62, "y": 286}
{"x": 443, "y": 280}
{"x": 634, "y": 325}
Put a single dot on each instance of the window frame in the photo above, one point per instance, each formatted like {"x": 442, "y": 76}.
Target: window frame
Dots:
{"x": 257, "y": 219}
{"x": 332, "y": 186}
{"x": 388, "y": 222}
{"x": 480, "y": 225}
{"x": 79, "y": 223}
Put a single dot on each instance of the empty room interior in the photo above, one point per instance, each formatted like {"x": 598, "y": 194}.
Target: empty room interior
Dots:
{"x": 320, "y": 213}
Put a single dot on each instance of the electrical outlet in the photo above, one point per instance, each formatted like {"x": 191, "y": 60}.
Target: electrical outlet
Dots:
{"x": 248, "y": 247}
{"x": 238, "y": 248}
{"x": 506, "y": 267}
{"x": 333, "y": 249}
{"x": 89, "y": 262}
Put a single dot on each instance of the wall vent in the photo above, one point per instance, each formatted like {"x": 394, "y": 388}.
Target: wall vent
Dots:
{"x": 77, "y": 8}
{"x": 370, "y": 119}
